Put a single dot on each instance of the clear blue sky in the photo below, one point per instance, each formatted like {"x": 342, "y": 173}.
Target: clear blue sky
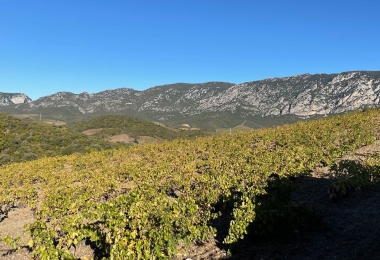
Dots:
{"x": 81, "y": 45}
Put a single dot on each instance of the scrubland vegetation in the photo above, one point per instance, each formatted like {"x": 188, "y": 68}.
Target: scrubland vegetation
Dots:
{"x": 141, "y": 202}
{"x": 25, "y": 140}
{"x": 114, "y": 125}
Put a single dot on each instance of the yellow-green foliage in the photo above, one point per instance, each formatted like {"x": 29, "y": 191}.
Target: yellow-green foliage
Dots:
{"x": 354, "y": 175}
{"x": 138, "y": 203}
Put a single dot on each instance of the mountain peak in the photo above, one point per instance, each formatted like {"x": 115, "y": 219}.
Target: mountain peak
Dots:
{"x": 7, "y": 99}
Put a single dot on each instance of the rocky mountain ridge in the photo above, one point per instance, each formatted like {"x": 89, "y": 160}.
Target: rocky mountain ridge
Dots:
{"x": 301, "y": 95}
{"x": 7, "y": 99}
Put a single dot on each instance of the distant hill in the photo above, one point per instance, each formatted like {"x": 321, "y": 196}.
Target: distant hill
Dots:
{"x": 24, "y": 140}
{"x": 133, "y": 129}
{"x": 219, "y": 104}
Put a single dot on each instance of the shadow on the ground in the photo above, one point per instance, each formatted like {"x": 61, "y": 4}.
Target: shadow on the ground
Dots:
{"x": 298, "y": 219}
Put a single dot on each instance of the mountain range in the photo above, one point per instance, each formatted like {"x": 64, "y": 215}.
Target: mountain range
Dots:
{"x": 223, "y": 103}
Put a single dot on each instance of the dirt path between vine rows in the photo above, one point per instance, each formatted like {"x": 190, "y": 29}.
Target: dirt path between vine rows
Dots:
{"x": 13, "y": 226}
{"x": 352, "y": 226}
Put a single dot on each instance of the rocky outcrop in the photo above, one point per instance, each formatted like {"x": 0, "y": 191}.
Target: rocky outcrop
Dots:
{"x": 7, "y": 99}
{"x": 302, "y": 95}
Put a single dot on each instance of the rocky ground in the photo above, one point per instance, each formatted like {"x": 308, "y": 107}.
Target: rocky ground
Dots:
{"x": 13, "y": 226}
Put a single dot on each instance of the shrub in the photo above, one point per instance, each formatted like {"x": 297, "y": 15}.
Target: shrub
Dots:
{"x": 4, "y": 159}
{"x": 29, "y": 157}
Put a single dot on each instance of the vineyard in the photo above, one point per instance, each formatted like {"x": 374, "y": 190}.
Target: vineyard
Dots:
{"x": 142, "y": 202}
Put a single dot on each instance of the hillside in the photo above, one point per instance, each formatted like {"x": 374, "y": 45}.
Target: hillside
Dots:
{"x": 219, "y": 104}
{"x": 156, "y": 200}
{"x": 24, "y": 140}
{"x": 107, "y": 127}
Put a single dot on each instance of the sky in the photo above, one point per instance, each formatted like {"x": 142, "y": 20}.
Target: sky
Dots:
{"x": 91, "y": 46}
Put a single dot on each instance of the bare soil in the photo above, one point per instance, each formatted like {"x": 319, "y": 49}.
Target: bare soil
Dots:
{"x": 92, "y": 131}
{"x": 123, "y": 138}
{"x": 13, "y": 226}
